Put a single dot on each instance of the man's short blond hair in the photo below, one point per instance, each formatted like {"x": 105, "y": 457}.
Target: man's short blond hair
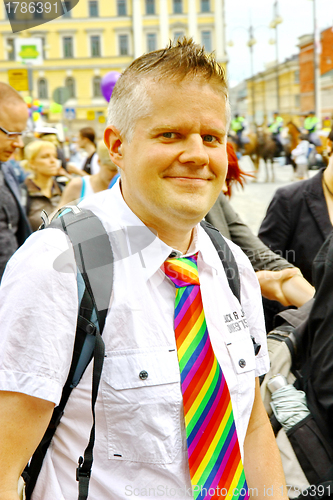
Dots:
{"x": 182, "y": 60}
{"x": 104, "y": 156}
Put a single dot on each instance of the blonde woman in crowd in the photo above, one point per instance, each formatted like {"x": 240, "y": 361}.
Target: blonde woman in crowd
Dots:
{"x": 80, "y": 187}
{"x": 42, "y": 190}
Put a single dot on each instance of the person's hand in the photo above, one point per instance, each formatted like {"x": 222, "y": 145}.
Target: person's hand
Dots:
{"x": 62, "y": 171}
{"x": 286, "y": 286}
{"x": 73, "y": 169}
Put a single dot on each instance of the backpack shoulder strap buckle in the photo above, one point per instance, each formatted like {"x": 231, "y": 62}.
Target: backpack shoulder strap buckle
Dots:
{"x": 81, "y": 473}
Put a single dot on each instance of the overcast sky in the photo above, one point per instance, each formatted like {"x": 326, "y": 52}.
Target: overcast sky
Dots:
{"x": 297, "y": 20}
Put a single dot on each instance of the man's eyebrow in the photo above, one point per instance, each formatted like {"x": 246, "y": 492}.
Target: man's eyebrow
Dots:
{"x": 211, "y": 130}
{"x": 176, "y": 128}
{"x": 165, "y": 128}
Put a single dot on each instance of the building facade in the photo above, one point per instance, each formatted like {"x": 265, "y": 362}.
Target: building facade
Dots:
{"x": 238, "y": 99}
{"x": 306, "y": 59}
{"x": 99, "y": 36}
{"x": 262, "y": 91}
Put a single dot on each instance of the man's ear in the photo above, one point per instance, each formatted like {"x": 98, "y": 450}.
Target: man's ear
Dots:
{"x": 113, "y": 142}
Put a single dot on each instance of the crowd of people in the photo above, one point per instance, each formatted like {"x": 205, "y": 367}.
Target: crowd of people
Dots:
{"x": 179, "y": 406}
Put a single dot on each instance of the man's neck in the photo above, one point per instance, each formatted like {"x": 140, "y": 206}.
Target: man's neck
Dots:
{"x": 328, "y": 174}
{"x": 44, "y": 183}
{"x": 182, "y": 244}
{"x": 176, "y": 232}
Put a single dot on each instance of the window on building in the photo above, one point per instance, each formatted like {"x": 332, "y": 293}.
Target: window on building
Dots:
{"x": 205, "y": 5}
{"x": 296, "y": 76}
{"x": 121, "y": 7}
{"x": 70, "y": 84}
{"x": 151, "y": 42}
{"x": 93, "y": 8}
{"x": 95, "y": 44}
{"x": 10, "y": 9}
{"x": 43, "y": 47}
{"x": 206, "y": 40}
{"x": 150, "y": 6}
{"x": 97, "y": 86}
{"x": 177, "y": 6}
{"x": 67, "y": 5}
{"x": 297, "y": 101}
{"x": 123, "y": 45}
{"x": 68, "y": 47}
{"x": 42, "y": 88}
{"x": 11, "y": 49}
{"x": 177, "y": 35}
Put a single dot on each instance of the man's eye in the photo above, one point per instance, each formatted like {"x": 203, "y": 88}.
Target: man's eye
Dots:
{"x": 169, "y": 135}
{"x": 209, "y": 138}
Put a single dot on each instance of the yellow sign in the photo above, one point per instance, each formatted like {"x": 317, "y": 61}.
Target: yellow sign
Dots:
{"x": 18, "y": 79}
{"x": 101, "y": 119}
{"x": 90, "y": 115}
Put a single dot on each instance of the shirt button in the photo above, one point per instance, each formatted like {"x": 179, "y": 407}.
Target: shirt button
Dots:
{"x": 143, "y": 375}
{"x": 242, "y": 363}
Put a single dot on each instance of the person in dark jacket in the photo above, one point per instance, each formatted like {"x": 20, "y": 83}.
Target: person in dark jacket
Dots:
{"x": 319, "y": 339}
{"x": 299, "y": 219}
{"x": 14, "y": 225}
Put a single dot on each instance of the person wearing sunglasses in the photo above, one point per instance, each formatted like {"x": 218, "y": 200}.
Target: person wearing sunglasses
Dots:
{"x": 14, "y": 225}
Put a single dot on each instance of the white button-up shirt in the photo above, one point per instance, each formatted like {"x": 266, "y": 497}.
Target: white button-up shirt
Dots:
{"x": 140, "y": 448}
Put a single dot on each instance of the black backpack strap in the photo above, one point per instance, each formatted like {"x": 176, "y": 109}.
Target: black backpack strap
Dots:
{"x": 93, "y": 255}
{"x": 226, "y": 256}
{"x": 94, "y": 259}
{"x": 87, "y": 164}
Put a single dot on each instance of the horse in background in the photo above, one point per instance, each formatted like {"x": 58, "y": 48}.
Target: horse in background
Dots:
{"x": 293, "y": 140}
{"x": 268, "y": 150}
{"x": 293, "y": 135}
{"x": 248, "y": 148}
{"x": 260, "y": 145}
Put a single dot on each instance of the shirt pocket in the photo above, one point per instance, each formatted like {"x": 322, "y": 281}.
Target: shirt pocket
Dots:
{"x": 143, "y": 405}
{"x": 241, "y": 352}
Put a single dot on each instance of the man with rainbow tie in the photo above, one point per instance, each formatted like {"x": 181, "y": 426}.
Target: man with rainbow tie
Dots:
{"x": 178, "y": 413}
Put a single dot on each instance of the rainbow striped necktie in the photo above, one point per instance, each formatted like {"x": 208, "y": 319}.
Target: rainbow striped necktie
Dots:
{"x": 215, "y": 463}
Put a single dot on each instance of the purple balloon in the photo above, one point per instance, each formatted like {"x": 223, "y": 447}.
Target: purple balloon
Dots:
{"x": 107, "y": 84}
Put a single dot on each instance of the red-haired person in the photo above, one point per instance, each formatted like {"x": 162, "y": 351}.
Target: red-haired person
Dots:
{"x": 235, "y": 174}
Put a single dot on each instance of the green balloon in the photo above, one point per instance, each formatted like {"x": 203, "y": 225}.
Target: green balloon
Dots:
{"x": 55, "y": 107}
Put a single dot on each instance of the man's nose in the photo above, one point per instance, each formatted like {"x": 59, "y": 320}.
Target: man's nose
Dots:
{"x": 194, "y": 151}
{"x": 18, "y": 142}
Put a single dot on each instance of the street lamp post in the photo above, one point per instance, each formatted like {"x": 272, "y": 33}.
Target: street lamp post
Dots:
{"x": 274, "y": 25}
{"x": 250, "y": 44}
{"x": 316, "y": 61}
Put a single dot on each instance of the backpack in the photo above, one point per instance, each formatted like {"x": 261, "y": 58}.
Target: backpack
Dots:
{"x": 87, "y": 163}
{"x": 94, "y": 259}
{"x": 306, "y": 448}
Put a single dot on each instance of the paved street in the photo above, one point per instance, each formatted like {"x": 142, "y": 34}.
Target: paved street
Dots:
{"x": 252, "y": 201}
